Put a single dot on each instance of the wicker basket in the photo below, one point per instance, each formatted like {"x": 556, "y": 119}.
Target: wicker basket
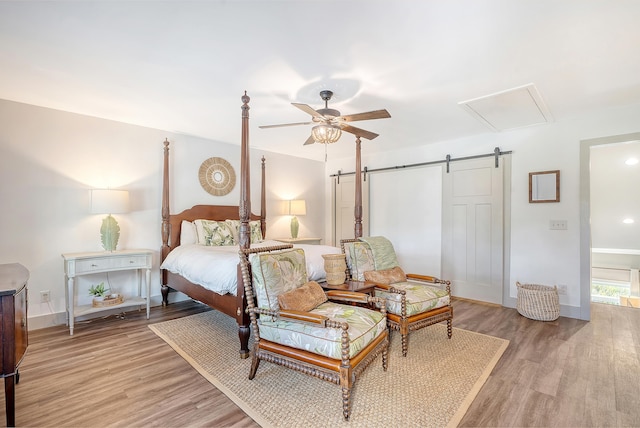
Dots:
{"x": 111, "y": 300}
{"x": 538, "y": 302}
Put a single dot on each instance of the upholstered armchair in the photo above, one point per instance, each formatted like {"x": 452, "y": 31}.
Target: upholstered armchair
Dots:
{"x": 412, "y": 301}
{"x": 298, "y": 325}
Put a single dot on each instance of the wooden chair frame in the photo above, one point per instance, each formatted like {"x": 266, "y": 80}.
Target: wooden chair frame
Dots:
{"x": 403, "y": 323}
{"x": 342, "y": 372}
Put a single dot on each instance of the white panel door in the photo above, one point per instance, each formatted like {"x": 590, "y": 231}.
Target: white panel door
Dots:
{"x": 345, "y": 202}
{"x": 472, "y": 229}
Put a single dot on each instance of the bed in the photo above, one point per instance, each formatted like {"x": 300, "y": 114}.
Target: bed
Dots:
{"x": 218, "y": 282}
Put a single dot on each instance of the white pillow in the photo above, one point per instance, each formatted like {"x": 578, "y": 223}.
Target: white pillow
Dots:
{"x": 187, "y": 233}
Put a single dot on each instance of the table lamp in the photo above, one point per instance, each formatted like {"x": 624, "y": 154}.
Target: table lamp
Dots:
{"x": 296, "y": 207}
{"x": 109, "y": 201}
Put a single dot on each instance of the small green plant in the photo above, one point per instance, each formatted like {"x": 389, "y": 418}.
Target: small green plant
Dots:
{"x": 98, "y": 290}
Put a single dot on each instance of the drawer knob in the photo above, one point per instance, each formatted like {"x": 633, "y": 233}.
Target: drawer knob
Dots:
{"x": 94, "y": 265}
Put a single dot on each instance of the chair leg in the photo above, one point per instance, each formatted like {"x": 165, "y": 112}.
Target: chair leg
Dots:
{"x": 449, "y": 329}
{"x": 255, "y": 362}
{"x": 405, "y": 344}
{"x": 385, "y": 353}
{"x": 346, "y": 402}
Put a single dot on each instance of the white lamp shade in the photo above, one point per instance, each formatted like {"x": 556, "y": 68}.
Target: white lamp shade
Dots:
{"x": 109, "y": 201}
{"x": 297, "y": 207}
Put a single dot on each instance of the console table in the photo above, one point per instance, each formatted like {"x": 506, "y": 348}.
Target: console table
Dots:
{"x": 13, "y": 330}
{"x": 77, "y": 264}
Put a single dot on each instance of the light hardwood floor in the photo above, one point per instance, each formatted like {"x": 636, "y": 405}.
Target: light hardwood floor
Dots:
{"x": 117, "y": 372}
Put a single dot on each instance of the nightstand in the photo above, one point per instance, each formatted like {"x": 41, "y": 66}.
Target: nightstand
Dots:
{"x": 77, "y": 264}
{"x": 313, "y": 241}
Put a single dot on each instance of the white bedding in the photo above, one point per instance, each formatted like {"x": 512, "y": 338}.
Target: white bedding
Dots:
{"x": 215, "y": 268}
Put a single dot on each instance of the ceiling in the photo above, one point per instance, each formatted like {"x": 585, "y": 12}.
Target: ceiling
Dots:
{"x": 182, "y": 66}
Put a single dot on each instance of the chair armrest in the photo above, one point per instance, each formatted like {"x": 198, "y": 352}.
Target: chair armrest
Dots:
{"x": 301, "y": 316}
{"x": 347, "y": 296}
{"x": 307, "y": 317}
{"x": 430, "y": 279}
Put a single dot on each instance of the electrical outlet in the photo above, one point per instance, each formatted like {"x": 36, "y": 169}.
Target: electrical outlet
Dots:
{"x": 558, "y": 224}
{"x": 562, "y": 289}
{"x": 45, "y": 296}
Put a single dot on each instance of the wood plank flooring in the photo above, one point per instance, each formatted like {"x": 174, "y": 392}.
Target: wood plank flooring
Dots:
{"x": 117, "y": 372}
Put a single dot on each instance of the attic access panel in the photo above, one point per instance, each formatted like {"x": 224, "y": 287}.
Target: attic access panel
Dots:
{"x": 513, "y": 108}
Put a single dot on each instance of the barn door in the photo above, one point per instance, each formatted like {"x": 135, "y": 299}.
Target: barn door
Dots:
{"x": 472, "y": 228}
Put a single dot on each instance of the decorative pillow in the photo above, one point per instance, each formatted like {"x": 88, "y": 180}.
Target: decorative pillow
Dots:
{"x": 304, "y": 298}
{"x": 359, "y": 259}
{"x": 256, "y": 231}
{"x": 234, "y": 225}
{"x": 187, "y": 233}
{"x": 276, "y": 273}
{"x": 254, "y": 228}
{"x": 386, "y": 276}
{"x": 213, "y": 233}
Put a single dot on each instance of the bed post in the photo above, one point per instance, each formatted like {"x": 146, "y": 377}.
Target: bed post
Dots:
{"x": 166, "y": 226}
{"x": 245, "y": 231}
{"x": 358, "y": 206}
{"x": 263, "y": 203}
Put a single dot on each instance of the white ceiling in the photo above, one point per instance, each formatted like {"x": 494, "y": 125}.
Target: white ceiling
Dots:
{"x": 182, "y": 66}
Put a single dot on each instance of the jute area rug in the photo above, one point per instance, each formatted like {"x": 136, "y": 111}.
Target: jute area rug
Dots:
{"x": 432, "y": 387}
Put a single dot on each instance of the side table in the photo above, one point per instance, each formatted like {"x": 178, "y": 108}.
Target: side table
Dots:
{"x": 77, "y": 264}
{"x": 359, "y": 286}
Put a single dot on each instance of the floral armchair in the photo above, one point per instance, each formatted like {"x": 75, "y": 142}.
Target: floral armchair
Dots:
{"x": 412, "y": 301}
{"x": 298, "y": 325}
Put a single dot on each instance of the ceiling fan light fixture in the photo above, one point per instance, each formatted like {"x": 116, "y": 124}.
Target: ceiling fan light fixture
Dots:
{"x": 326, "y": 134}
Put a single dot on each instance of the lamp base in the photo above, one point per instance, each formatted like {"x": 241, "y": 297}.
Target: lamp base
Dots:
{"x": 109, "y": 233}
{"x": 294, "y": 227}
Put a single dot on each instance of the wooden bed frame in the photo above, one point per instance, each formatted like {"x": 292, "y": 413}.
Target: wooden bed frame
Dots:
{"x": 233, "y": 306}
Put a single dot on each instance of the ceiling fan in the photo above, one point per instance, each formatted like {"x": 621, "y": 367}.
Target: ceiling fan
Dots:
{"x": 329, "y": 123}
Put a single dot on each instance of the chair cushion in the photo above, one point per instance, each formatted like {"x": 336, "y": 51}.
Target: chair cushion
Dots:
{"x": 303, "y": 298}
{"x": 359, "y": 259}
{"x": 420, "y": 298}
{"x": 364, "y": 326}
{"x": 386, "y": 276}
{"x": 275, "y": 274}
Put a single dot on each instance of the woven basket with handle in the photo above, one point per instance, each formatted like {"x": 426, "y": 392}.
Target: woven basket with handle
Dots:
{"x": 538, "y": 302}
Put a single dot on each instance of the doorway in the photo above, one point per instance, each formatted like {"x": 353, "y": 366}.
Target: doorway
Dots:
{"x": 615, "y": 236}
{"x": 586, "y": 232}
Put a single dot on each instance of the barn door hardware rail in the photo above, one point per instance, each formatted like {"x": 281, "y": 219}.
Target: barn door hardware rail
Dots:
{"x": 496, "y": 153}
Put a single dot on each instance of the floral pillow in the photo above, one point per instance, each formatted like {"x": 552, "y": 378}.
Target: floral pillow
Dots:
{"x": 214, "y": 233}
{"x": 254, "y": 227}
{"x": 359, "y": 259}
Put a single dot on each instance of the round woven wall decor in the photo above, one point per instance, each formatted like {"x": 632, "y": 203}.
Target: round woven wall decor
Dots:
{"x": 217, "y": 176}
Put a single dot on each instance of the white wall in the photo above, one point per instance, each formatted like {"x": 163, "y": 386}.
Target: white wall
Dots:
{"x": 50, "y": 159}
{"x": 538, "y": 255}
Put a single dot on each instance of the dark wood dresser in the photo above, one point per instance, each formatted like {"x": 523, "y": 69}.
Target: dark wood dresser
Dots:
{"x": 13, "y": 329}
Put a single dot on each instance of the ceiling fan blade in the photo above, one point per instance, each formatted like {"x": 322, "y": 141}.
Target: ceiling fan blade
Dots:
{"x": 376, "y": 114}
{"x": 310, "y": 140}
{"x": 284, "y": 124}
{"x": 307, "y": 109}
{"x": 357, "y": 131}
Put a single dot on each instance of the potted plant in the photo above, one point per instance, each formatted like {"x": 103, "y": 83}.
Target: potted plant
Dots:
{"x": 98, "y": 291}
{"x": 102, "y": 296}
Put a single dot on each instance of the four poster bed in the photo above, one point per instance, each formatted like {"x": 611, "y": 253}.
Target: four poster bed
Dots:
{"x": 210, "y": 273}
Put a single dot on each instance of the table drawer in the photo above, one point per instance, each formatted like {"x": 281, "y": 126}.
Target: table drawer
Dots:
{"x": 110, "y": 263}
